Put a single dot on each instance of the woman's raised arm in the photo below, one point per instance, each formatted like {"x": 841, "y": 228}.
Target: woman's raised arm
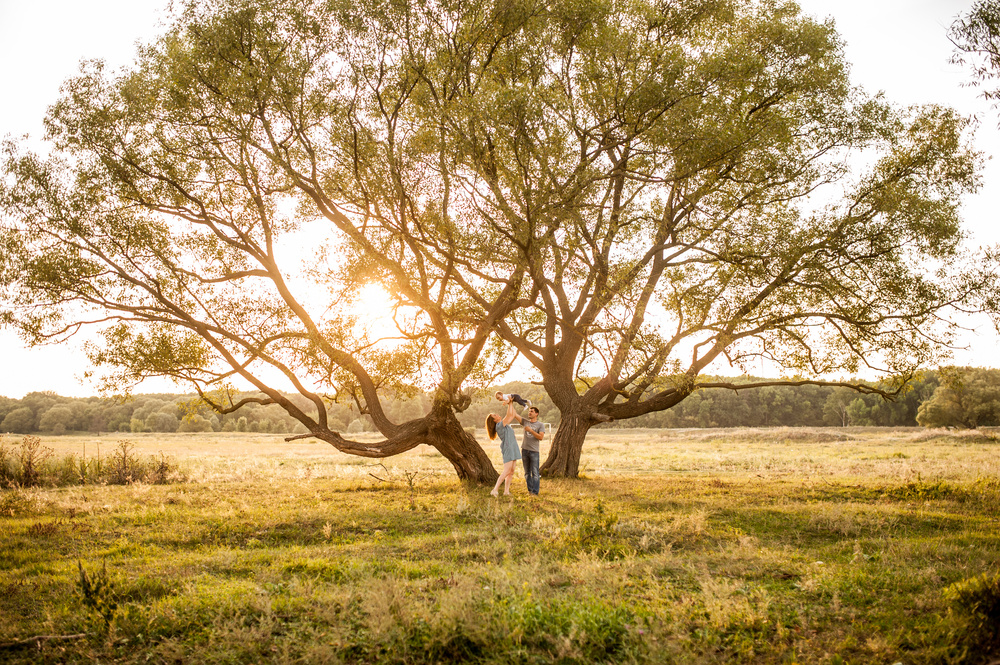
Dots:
{"x": 510, "y": 414}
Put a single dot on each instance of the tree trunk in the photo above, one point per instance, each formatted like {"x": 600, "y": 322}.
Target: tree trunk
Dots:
{"x": 564, "y": 455}
{"x": 459, "y": 447}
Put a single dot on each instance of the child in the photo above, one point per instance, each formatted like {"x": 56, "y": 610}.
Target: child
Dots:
{"x": 512, "y": 397}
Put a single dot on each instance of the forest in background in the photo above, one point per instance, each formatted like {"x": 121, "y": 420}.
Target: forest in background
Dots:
{"x": 963, "y": 397}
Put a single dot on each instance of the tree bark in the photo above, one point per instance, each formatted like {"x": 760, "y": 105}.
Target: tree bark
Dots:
{"x": 459, "y": 447}
{"x": 564, "y": 455}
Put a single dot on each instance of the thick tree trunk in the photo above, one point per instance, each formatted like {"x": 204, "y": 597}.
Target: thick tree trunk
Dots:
{"x": 459, "y": 447}
{"x": 564, "y": 455}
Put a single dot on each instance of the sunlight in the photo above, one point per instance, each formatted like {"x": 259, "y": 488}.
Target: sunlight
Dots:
{"x": 373, "y": 307}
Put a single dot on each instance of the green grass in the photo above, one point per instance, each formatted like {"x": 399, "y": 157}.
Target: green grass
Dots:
{"x": 694, "y": 546}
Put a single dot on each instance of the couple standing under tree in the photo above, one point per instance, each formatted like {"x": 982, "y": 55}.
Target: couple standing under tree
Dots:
{"x": 530, "y": 452}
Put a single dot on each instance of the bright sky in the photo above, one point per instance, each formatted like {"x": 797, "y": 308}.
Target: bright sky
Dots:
{"x": 898, "y": 46}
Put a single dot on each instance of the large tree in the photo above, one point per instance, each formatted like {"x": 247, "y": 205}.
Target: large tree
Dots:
{"x": 602, "y": 186}
{"x": 699, "y": 181}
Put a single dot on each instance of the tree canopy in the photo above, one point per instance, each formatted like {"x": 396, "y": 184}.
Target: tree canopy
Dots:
{"x": 708, "y": 185}
{"x": 967, "y": 397}
{"x": 621, "y": 189}
{"x": 976, "y": 36}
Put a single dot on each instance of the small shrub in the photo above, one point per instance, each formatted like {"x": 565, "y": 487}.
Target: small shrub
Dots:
{"x": 159, "y": 471}
{"x": 32, "y": 456}
{"x": 411, "y": 477}
{"x": 98, "y": 593}
{"x": 123, "y": 465}
{"x": 978, "y": 600}
{"x": 66, "y": 471}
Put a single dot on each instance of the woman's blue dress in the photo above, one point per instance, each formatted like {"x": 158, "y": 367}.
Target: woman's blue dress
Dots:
{"x": 508, "y": 443}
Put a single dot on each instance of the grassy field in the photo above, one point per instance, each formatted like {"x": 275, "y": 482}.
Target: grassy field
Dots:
{"x": 678, "y": 546}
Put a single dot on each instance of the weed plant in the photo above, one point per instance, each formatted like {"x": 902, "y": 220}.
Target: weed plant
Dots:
{"x": 97, "y": 593}
{"x": 978, "y": 600}
{"x": 30, "y": 464}
{"x": 847, "y": 547}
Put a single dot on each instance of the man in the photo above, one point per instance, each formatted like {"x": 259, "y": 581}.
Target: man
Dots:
{"x": 531, "y": 452}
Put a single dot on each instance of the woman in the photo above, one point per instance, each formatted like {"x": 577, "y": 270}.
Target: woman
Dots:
{"x": 508, "y": 446}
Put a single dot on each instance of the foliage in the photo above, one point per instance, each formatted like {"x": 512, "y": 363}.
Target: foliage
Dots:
{"x": 156, "y": 413}
{"x": 966, "y": 397}
{"x": 97, "y": 592}
{"x": 692, "y": 158}
{"x": 978, "y": 600}
{"x": 20, "y": 421}
{"x": 186, "y": 240}
{"x": 123, "y": 465}
{"x": 976, "y": 36}
{"x": 56, "y": 420}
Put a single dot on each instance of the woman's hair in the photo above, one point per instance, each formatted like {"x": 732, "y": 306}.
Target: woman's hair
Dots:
{"x": 491, "y": 426}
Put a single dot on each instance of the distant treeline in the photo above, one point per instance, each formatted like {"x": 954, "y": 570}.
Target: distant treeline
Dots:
{"x": 50, "y": 413}
{"x": 951, "y": 397}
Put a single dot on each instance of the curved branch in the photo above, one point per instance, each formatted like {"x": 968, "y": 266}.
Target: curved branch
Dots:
{"x": 857, "y": 387}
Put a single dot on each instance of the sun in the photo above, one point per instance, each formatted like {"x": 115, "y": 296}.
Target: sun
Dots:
{"x": 373, "y": 307}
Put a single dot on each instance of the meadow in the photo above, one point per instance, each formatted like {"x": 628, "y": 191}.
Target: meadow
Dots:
{"x": 832, "y": 546}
